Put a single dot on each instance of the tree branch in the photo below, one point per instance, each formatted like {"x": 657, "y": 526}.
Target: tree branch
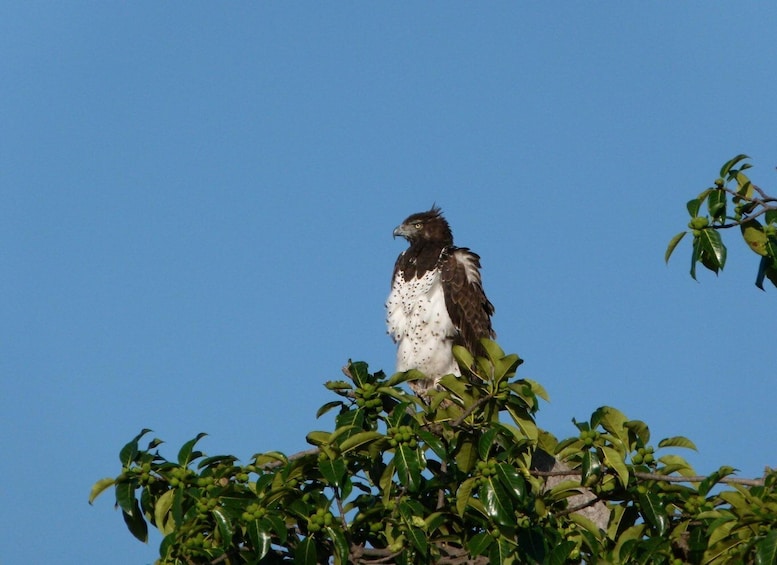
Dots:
{"x": 457, "y": 422}
{"x": 659, "y": 477}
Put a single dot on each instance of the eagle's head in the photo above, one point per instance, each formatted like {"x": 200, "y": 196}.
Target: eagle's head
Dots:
{"x": 426, "y": 227}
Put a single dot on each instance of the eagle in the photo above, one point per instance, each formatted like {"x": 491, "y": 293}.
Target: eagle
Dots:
{"x": 436, "y": 300}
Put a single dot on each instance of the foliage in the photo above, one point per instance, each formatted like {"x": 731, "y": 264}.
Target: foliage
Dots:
{"x": 733, "y": 201}
{"x": 454, "y": 480}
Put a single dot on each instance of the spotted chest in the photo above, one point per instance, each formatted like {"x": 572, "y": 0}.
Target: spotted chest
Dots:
{"x": 419, "y": 323}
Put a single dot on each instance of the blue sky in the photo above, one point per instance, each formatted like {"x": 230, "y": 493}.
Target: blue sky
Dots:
{"x": 197, "y": 200}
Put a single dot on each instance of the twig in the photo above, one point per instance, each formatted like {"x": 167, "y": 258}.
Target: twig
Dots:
{"x": 457, "y": 422}
{"x": 579, "y": 507}
{"x": 340, "y": 509}
{"x": 290, "y": 458}
{"x": 659, "y": 477}
{"x": 698, "y": 479}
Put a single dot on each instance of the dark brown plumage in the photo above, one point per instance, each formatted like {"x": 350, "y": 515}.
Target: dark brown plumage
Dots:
{"x": 436, "y": 299}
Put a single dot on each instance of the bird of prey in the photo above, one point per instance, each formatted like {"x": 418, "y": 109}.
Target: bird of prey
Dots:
{"x": 436, "y": 300}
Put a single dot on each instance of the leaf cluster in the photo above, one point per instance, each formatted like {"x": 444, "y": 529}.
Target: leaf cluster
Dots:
{"x": 450, "y": 480}
{"x": 732, "y": 201}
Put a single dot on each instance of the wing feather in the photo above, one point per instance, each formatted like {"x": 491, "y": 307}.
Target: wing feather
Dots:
{"x": 467, "y": 304}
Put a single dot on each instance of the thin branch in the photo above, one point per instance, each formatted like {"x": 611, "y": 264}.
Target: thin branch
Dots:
{"x": 765, "y": 197}
{"x": 299, "y": 455}
{"x": 457, "y": 422}
{"x": 659, "y": 477}
{"x": 762, "y": 202}
{"x": 340, "y": 509}
{"x": 698, "y": 479}
{"x": 579, "y": 507}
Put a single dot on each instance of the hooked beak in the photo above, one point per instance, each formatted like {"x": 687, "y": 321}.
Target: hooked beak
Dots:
{"x": 400, "y": 230}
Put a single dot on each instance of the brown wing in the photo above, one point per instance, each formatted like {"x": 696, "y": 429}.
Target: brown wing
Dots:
{"x": 467, "y": 305}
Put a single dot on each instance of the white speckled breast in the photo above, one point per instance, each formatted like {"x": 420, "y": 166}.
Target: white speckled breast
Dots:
{"x": 419, "y": 323}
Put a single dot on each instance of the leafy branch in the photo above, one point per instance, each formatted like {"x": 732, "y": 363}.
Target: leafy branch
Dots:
{"x": 732, "y": 189}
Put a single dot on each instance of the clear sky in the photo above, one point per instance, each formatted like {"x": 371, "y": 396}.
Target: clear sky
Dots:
{"x": 197, "y": 200}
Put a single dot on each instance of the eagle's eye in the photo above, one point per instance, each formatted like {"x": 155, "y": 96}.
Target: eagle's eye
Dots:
{"x": 418, "y": 225}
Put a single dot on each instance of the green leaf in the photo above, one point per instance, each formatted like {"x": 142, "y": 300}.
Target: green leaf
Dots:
{"x": 675, "y": 463}
{"x": 359, "y": 373}
{"x": 754, "y": 236}
{"x": 496, "y": 501}
{"x": 338, "y": 385}
{"x": 270, "y": 458}
{"x": 612, "y": 420}
{"x": 484, "y": 444}
{"x": 260, "y": 538}
{"x": 479, "y": 543}
{"x": 328, "y": 406}
{"x": 505, "y": 367}
{"x": 493, "y": 350}
{"x": 654, "y": 512}
{"x": 591, "y": 469}
{"x": 464, "y": 493}
{"x": 628, "y": 535}
{"x": 500, "y": 552}
{"x": 353, "y": 418}
{"x": 318, "y": 438}
{"x": 358, "y": 440}
{"x": 434, "y": 520}
{"x": 216, "y": 461}
{"x": 178, "y": 506}
{"x": 399, "y": 378}
{"x": 677, "y": 441}
{"x": 745, "y": 189}
{"x": 226, "y": 530}
{"x": 716, "y": 204}
{"x": 713, "y": 252}
{"x": 766, "y": 549}
{"x": 136, "y": 524}
{"x": 713, "y": 479}
{"x": 130, "y": 450}
{"x": 561, "y": 553}
{"x": 277, "y": 525}
{"x": 640, "y": 429}
{"x": 434, "y": 443}
{"x": 524, "y": 421}
{"x": 537, "y": 389}
{"x": 512, "y": 480}
{"x": 333, "y": 470}
{"x": 125, "y": 495}
{"x": 408, "y": 467}
{"x": 463, "y": 357}
{"x": 418, "y": 538}
{"x": 466, "y": 454}
{"x": 164, "y": 522}
{"x": 693, "y": 207}
{"x": 614, "y": 461}
{"x": 766, "y": 269}
{"x": 730, "y": 163}
{"x": 185, "y": 455}
{"x": 99, "y": 487}
{"x": 672, "y": 244}
{"x": 457, "y": 386}
{"x": 341, "y": 544}
{"x": 167, "y": 544}
{"x": 305, "y": 552}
